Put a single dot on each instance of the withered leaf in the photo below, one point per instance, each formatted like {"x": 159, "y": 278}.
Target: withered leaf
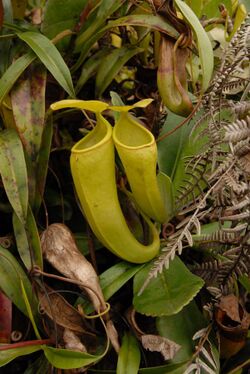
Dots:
{"x": 60, "y": 249}
{"x": 73, "y": 342}
{"x": 230, "y": 305}
{"x": 157, "y": 343}
{"x": 60, "y": 311}
{"x": 233, "y": 322}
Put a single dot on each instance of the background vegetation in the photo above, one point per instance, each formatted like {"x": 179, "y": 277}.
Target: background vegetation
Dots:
{"x": 187, "y": 310}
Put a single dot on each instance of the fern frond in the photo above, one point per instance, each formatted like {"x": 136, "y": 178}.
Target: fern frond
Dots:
{"x": 203, "y": 360}
{"x": 194, "y": 182}
{"x": 242, "y": 147}
{"x": 237, "y": 263}
{"x": 236, "y": 217}
{"x": 207, "y": 270}
{"x": 234, "y": 86}
{"x": 240, "y": 109}
{"x": 219, "y": 236}
{"x": 238, "y": 130}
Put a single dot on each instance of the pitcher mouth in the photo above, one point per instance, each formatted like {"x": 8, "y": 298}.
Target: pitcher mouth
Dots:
{"x": 129, "y": 139}
{"x": 97, "y": 137}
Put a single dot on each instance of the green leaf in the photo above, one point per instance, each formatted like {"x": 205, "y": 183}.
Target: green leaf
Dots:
{"x": 196, "y": 6}
{"x": 190, "y": 147}
{"x": 14, "y": 72}
{"x": 42, "y": 162}
{"x": 50, "y": 57}
{"x": 129, "y": 356}
{"x": 28, "y": 105}
{"x": 34, "y": 240}
{"x": 245, "y": 281}
{"x": 90, "y": 66}
{"x": 112, "y": 280}
{"x": 111, "y": 65}
{"x": 149, "y": 21}
{"x": 169, "y": 292}
{"x": 55, "y": 22}
{"x": 14, "y": 173}
{"x": 156, "y": 23}
{"x": 67, "y": 359}
{"x": 169, "y": 149}
{"x": 5, "y": 45}
{"x": 22, "y": 241}
{"x": 241, "y": 14}
{"x": 166, "y": 187}
{"x": 181, "y": 328}
{"x": 211, "y": 8}
{"x": 28, "y": 241}
{"x": 116, "y": 276}
{"x": 96, "y": 20}
{"x": 12, "y": 353}
{"x": 204, "y": 44}
{"x": 11, "y": 273}
{"x": 29, "y": 310}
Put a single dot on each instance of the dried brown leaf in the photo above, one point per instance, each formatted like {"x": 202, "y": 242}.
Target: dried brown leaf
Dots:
{"x": 60, "y": 249}
{"x": 157, "y": 343}
{"x": 73, "y": 342}
{"x": 233, "y": 323}
{"x": 230, "y": 305}
{"x": 60, "y": 311}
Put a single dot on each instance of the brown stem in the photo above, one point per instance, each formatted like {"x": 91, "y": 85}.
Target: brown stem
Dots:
{"x": 182, "y": 122}
{"x": 25, "y": 344}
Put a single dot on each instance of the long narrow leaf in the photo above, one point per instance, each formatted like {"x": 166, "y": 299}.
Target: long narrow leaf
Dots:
{"x": 28, "y": 105}
{"x": 105, "y": 9}
{"x": 5, "y": 45}
{"x": 14, "y": 72}
{"x": 156, "y": 23}
{"x": 28, "y": 108}
{"x": 42, "y": 162}
{"x": 67, "y": 359}
{"x": 129, "y": 356}
{"x": 148, "y": 21}
{"x": 90, "y": 66}
{"x": 204, "y": 44}
{"x": 14, "y": 173}
{"x": 22, "y": 241}
{"x": 54, "y": 21}
{"x": 111, "y": 65}
{"x": 116, "y": 276}
{"x": 50, "y": 57}
{"x": 34, "y": 239}
{"x": 29, "y": 310}
{"x": 28, "y": 241}
{"x": 10, "y": 275}
{"x": 12, "y": 353}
